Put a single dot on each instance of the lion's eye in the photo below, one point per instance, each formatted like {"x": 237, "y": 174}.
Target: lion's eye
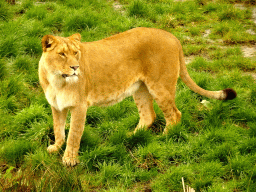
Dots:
{"x": 76, "y": 52}
{"x": 62, "y": 54}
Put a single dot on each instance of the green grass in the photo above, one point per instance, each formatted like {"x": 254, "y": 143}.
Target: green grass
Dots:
{"x": 214, "y": 146}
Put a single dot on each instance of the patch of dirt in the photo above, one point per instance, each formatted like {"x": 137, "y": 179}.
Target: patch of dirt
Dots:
{"x": 251, "y": 32}
{"x": 118, "y": 7}
{"x": 249, "y": 51}
{"x": 207, "y": 33}
{"x": 254, "y": 15}
{"x": 240, "y": 6}
{"x": 252, "y": 74}
{"x": 189, "y": 59}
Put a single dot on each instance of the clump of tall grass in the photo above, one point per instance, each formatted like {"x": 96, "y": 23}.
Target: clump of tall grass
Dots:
{"x": 90, "y": 139}
{"x": 177, "y": 134}
{"x": 138, "y": 8}
{"x": 75, "y": 4}
{"x": 32, "y": 46}
{"x": 24, "y": 63}
{"x": 109, "y": 173}
{"x": 12, "y": 86}
{"x": 171, "y": 179}
{"x": 95, "y": 115}
{"x": 14, "y": 151}
{"x": 9, "y": 46}
{"x": 140, "y": 138}
{"x": 26, "y": 118}
{"x": 39, "y": 160}
{"x": 3, "y": 69}
{"x": 55, "y": 20}
{"x": 9, "y": 104}
{"x": 36, "y": 12}
{"x": 108, "y": 154}
{"x": 5, "y": 11}
{"x": 34, "y": 28}
{"x": 233, "y": 62}
{"x": 82, "y": 19}
{"x": 229, "y": 12}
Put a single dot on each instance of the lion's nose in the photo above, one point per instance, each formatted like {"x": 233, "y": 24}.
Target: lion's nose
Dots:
{"x": 74, "y": 67}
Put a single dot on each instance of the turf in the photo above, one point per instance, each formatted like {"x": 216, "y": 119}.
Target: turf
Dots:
{"x": 214, "y": 146}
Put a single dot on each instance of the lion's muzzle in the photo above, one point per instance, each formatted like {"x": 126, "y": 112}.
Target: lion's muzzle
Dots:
{"x": 75, "y": 72}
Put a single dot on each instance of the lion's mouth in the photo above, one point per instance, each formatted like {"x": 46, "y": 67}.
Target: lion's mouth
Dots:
{"x": 66, "y": 75}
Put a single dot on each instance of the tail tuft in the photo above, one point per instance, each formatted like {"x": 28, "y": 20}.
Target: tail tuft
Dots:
{"x": 229, "y": 94}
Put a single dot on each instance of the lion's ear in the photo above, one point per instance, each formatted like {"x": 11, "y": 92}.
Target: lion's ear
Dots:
{"x": 48, "y": 42}
{"x": 76, "y": 37}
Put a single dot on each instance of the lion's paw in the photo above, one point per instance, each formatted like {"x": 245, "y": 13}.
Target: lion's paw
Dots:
{"x": 53, "y": 149}
{"x": 70, "y": 161}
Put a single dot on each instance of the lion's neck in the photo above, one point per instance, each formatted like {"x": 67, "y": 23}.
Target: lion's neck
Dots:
{"x": 61, "y": 93}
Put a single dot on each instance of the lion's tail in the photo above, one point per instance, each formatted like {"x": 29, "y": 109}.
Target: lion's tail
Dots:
{"x": 226, "y": 94}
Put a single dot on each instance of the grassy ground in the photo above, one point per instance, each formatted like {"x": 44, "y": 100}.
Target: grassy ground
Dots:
{"x": 214, "y": 147}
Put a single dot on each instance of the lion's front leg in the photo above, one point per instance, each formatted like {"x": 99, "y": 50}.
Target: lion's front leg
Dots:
{"x": 59, "y": 120}
{"x": 78, "y": 115}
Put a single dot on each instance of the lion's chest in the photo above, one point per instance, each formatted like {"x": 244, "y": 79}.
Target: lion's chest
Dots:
{"x": 60, "y": 99}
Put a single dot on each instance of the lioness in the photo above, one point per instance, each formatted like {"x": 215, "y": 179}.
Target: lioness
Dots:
{"x": 142, "y": 62}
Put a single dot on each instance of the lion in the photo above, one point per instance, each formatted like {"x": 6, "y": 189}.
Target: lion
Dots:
{"x": 142, "y": 62}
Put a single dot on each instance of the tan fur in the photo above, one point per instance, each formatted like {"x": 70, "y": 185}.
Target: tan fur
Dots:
{"x": 142, "y": 62}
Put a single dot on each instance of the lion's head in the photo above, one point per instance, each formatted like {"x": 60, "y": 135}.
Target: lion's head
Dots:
{"x": 62, "y": 56}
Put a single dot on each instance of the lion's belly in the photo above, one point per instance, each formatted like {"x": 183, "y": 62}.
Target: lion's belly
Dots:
{"x": 96, "y": 98}
{"x": 60, "y": 99}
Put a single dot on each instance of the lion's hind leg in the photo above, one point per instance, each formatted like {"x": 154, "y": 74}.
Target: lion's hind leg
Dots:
{"x": 171, "y": 114}
{"x": 144, "y": 102}
{"x": 165, "y": 98}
